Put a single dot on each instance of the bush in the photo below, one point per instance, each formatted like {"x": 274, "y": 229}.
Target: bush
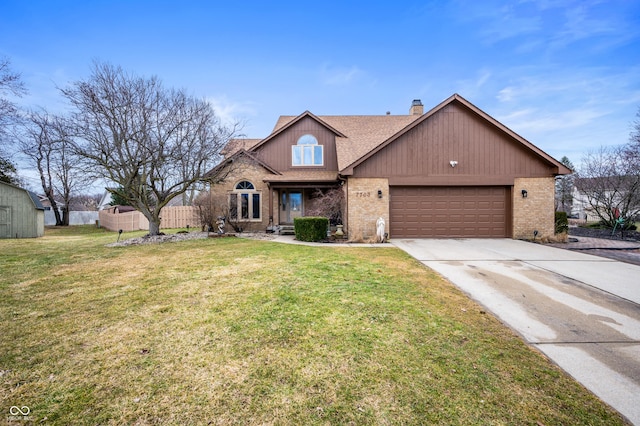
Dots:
{"x": 562, "y": 223}
{"x": 310, "y": 228}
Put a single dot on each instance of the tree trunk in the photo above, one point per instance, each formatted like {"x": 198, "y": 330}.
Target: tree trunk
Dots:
{"x": 65, "y": 215}
{"x": 54, "y": 207}
{"x": 154, "y": 222}
{"x": 154, "y": 228}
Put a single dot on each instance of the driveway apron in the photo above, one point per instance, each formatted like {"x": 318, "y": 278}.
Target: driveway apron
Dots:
{"x": 581, "y": 311}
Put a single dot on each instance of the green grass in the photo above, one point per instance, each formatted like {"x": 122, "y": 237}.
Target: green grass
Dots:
{"x": 235, "y": 331}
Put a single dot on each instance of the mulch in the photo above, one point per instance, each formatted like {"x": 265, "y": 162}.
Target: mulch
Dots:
{"x": 578, "y": 231}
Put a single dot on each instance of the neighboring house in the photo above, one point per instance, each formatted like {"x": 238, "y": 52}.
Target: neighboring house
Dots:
{"x": 453, "y": 171}
{"x": 582, "y": 207}
{"x": 21, "y": 213}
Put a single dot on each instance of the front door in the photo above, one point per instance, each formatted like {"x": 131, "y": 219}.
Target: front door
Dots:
{"x": 290, "y": 206}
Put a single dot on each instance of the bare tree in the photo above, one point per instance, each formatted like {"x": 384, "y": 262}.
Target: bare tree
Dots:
{"x": 610, "y": 181}
{"x": 154, "y": 143}
{"x": 10, "y": 85}
{"x": 46, "y": 142}
{"x": 328, "y": 203}
{"x": 211, "y": 206}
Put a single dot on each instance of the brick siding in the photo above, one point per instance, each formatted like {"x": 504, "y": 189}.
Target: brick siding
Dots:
{"x": 246, "y": 170}
{"x": 364, "y": 207}
{"x": 536, "y": 212}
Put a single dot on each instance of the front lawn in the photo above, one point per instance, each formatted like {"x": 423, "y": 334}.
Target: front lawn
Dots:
{"x": 236, "y": 331}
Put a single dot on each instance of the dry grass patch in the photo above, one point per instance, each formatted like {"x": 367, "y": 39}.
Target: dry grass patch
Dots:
{"x": 233, "y": 331}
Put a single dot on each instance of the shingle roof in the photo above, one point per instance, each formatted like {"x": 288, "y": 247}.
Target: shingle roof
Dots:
{"x": 362, "y": 133}
{"x": 359, "y": 136}
{"x": 235, "y": 145}
{"x": 304, "y": 176}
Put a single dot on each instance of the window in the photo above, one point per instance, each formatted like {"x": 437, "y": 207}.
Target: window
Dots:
{"x": 244, "y": 202}
{"x": 307, "y": 152}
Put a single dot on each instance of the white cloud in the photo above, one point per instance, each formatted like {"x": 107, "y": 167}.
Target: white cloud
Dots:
{"x": 474, "y": 86}
{"x": 340, "y": 76}
{"x": 535, "y": 121}
{"x": 231, "y": 112}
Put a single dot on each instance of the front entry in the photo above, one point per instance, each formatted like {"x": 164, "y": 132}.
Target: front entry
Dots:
{"x": 290, "y": 206}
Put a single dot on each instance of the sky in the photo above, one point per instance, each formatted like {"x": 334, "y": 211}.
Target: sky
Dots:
{"x": 563, "y": 74}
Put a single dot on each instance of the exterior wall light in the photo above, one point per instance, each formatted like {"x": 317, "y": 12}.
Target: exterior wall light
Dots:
{"x": 453, "y": 163}
{"x": 524, "y": 193}
{"x": 379, "y": 193}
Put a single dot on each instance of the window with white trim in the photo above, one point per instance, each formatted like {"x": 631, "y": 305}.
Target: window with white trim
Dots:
{"x": 245, "y": 202}
{"x": 307, "y": 152}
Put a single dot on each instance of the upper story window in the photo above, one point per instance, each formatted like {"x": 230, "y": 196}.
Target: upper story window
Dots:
{"x": 307, "y": 152}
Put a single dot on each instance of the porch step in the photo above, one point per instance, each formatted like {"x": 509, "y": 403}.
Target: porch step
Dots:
{"x": 287, "y": 230}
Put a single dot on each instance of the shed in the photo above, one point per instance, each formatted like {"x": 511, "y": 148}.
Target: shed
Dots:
{"x": 21, "y": 213}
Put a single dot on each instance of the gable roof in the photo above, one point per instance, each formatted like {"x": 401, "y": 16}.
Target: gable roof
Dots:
{"x": 32, "y": 195}
{"x": 356, "y": 135}
{"x": 235, "y": 145}
{"x": 240, "y": 153}
{"x": 561, "y": 169}
{"x": 359, "y": 137}
{"x": 284, "y": 123}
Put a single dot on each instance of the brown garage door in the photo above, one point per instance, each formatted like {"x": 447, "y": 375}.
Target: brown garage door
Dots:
{"x": 449, "y": 212}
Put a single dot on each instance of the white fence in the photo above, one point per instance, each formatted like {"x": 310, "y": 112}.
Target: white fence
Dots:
{"x": 75, "y": 218}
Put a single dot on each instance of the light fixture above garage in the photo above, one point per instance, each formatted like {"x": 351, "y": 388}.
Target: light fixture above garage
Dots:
{"x": 453, "y": 163}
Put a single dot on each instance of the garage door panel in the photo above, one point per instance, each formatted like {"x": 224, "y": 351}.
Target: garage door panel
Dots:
{"x": 440, "y": 212}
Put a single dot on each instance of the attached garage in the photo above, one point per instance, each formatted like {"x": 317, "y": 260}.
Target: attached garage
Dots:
{"x": 446, "y": 211}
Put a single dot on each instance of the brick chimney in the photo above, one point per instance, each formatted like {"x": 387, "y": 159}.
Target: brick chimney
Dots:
{"x": 416, "y": 107}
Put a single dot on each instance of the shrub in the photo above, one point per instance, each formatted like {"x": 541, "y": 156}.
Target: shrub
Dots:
{"x": 310, "y": 228}
{"x": 562, "y": 223}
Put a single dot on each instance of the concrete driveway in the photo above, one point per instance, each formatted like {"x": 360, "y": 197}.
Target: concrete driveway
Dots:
{"x": 581, "y": 311}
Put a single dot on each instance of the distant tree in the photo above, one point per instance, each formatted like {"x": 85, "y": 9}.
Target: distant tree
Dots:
{"x": 564, "y": 188}
{"x": 10, "y": 85}
{"x": 46, "y": 143}
{"x": 8, "y": 172}
{"x": 634, "y": 138}
{"x": 117, "y": 199}
{"x": 153, "y": 142}
{"x": 85, "y": 202}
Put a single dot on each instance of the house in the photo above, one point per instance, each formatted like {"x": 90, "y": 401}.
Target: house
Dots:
{"x": 453, "y": 171}
{"x": 606, "y": 196}
{"x": 21, "y": 213}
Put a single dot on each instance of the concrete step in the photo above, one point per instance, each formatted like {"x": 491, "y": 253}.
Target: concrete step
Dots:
{"x": 287, "y": 230}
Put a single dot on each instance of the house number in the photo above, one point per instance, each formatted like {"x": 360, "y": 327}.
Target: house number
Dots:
{"x": 363, "y": 194}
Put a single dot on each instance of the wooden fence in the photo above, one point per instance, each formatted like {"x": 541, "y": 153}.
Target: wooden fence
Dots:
{"x": 171, "y": 217}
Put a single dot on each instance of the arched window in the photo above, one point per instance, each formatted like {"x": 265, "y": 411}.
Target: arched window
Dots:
{"x": 245, "y": 202}
{"x": 307, "y": 152}
{"x": 245, "y": 184}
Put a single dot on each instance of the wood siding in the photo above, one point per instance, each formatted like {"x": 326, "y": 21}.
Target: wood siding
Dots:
{"x": 19, "y": 218}
{"x": 485, "y": 155}
{"x": 277, "y": 152}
